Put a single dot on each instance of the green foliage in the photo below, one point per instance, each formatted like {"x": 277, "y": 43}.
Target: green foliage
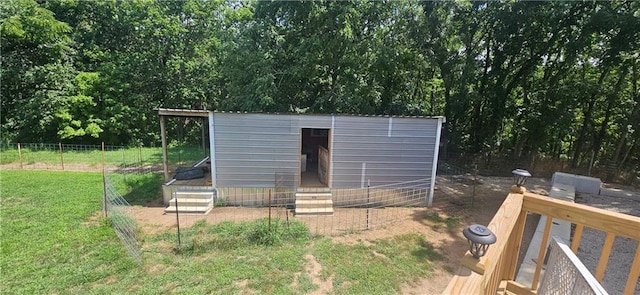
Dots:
{"x": 36, "y": 71}
{"x": 76, "y": 116}
{"x": 277, "y": 231}
{"x": 513, "y": 78}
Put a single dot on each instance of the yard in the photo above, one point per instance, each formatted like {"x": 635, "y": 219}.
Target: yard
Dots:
{"x": 55, "y": 240}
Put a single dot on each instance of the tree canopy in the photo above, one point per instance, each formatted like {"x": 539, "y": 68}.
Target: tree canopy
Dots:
{"x": 552, "y": 78}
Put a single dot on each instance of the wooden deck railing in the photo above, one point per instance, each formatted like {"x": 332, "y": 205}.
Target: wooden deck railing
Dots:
{"x": 496, "y": 271}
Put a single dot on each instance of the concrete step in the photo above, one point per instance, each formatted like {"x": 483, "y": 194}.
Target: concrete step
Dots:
{"x": 194, "y": 195}
{"x": 191, "y": 202}
{"x": 313, "y": 203}
{"x": 188, "y": 209}
{"x": 314, "y": 189}
{"x": 313, "y": 196}
{"x": 314, "y": 211}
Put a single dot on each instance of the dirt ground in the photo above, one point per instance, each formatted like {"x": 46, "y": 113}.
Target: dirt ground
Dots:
{"x": 451, "y": 199}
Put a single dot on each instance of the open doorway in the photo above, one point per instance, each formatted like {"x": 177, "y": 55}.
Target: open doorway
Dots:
{"x": 314, "y": 162}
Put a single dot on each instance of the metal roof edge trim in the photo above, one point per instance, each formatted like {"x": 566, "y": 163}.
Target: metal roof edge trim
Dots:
{"x": 190, "y": 112}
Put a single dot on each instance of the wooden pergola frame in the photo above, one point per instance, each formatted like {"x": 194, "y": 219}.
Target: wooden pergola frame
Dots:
{"x": 164, "y": 113}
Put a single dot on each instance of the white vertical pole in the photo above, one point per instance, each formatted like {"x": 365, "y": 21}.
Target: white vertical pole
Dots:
{"x": 212, "y": 149}
{"x": 434, "y": 168}
{"x": 331, "y": 142}
{"x": 364, "y": 172}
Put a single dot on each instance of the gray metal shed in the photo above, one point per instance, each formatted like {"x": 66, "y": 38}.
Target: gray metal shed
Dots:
{"x": 338, "y": 151}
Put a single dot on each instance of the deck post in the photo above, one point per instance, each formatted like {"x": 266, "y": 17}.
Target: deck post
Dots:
{"x": 163, "y": 136}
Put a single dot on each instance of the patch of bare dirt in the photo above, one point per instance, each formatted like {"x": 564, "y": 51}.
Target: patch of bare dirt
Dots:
{"x": 314, "y": 269}
{"x": 93, "y": 220}
{"x": 244, "y": 286}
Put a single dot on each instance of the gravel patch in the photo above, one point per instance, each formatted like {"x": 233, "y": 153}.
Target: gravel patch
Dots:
{"x": 623, "y": 249}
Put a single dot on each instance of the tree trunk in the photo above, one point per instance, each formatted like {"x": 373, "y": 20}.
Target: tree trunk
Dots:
{"x": 611, "y": 99}
{"x": 586, "y": 121}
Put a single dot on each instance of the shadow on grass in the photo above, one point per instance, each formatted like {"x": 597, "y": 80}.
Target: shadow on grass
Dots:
{"x": 144, "y": 189}
{"x": 426, "y": 251}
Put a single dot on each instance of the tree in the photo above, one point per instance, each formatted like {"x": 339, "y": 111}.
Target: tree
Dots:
{"x": 36, "y": 70}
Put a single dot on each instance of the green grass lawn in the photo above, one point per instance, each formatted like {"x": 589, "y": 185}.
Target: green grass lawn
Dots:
{"x": 55, "y": 241}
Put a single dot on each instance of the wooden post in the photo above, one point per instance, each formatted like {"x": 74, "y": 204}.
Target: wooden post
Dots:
{"x": 577, "y": 236}
{"x": 604, "y": 256}
{"x": 513, "y": 246}
{"x": 634, "y": 273}
{"x": 61, "y": 158}
{"x": 163, "y": 136}
{"x": 20, "y": 155}
{"x": 175, "y": 196}
{"x": 542, "y": 253}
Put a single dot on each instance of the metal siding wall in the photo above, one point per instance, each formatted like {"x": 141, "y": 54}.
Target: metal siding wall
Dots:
{"x": 314, "y": 121}
{"x": 252, "y": 148}
{"x": 404, "y": 153}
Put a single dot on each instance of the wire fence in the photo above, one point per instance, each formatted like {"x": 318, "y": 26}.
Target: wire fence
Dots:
{"x": 326, "y": 211}
{"x": 83, "y": 157}
{"x": 627, "y": 172}
{"x": 131, "y": 176}
{"x": 127, "y": 173}
{"x": 121, "y": 216}
{"x": 456, "y": 185}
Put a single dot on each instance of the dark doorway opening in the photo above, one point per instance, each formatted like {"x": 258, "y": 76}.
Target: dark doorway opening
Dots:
{"x": 314, "y": 164}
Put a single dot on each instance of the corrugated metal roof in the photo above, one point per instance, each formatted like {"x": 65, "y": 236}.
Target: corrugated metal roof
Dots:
{"x": 204, "y": 113}
{"x": 332, "y": 114}
{"x": 182, "y": 112}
